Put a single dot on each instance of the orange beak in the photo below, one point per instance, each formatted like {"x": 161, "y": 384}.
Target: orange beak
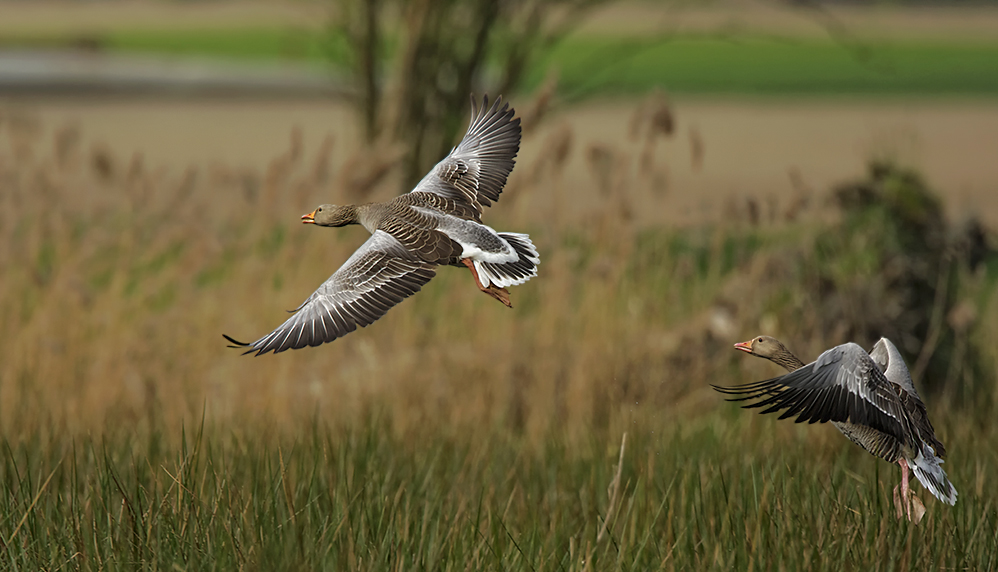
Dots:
{"x": 744, "y": 346}
{"x": 308, "y": 218}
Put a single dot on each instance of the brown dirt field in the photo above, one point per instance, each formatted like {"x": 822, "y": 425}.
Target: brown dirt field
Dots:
{"x": 772, "y": 152}
{"x": 776, "y": 150}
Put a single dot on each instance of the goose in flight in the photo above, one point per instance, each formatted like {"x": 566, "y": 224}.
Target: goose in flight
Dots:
{"x": 869, "y": 397}
{"x": 438, "y": 223}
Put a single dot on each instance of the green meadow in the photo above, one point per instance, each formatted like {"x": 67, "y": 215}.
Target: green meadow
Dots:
{"x": 588, "y": 65}
{"x": 699, "y": 64}
{"x": 720, "y": 493}
{"x": 767, "y": 65}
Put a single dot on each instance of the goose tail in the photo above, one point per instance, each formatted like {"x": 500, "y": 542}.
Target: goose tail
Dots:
{"x": 514, "y": 272}
{"x": 926, "y": 466}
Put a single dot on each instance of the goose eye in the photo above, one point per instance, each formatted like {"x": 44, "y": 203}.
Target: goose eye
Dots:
{"x": 759, "y": 340}
{"x": 319, "y": 209}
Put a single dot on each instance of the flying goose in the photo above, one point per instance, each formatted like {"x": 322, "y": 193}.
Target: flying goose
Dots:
{"x": 869, "y": 397}
{"x": 437, "y": 223}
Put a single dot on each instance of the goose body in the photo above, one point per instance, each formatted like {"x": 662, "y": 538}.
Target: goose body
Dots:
{"x": 437, "y": 223}
{"x": 869, "y": 397}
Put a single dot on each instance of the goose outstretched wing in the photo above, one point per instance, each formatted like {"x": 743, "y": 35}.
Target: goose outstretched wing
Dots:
{"x": 476, "y": 170}
{"x": 844, "y": 385}
{"x": 379, "y": 275}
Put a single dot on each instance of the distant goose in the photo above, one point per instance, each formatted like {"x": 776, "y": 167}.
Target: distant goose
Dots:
{"x": 437, "y": 223}
{"x": 870, "y": 398}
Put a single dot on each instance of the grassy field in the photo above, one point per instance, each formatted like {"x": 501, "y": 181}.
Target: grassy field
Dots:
{"x": 768, "y": 65}
{"x": 721, "y": 493}
{"x": 586, "y": 65}
{"x": 683, "y": 64}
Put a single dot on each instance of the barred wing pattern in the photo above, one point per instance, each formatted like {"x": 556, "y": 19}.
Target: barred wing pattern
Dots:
{"x": 476, "y": 170}
{"x": 379, "y": 275}
{"x": 843, "y": 385}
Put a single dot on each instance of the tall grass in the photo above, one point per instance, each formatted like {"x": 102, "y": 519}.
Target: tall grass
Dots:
{"x": 451, "y": 434}
{"x": 684, "y": 497}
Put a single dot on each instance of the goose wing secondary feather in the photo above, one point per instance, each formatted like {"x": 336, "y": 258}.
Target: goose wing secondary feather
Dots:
{"x": 842, "y": 385}
{"x": 379, "y": 275}
{"x": 476, "y": 170}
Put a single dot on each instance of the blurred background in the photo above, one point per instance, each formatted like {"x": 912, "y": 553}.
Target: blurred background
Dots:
{"x": 693, "y": 173}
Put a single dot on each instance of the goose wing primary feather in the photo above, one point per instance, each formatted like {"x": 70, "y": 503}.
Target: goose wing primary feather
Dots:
{"x": 379, "y": 275}
{"x": 476, "y": 170}
{"x": 843, "y": 385}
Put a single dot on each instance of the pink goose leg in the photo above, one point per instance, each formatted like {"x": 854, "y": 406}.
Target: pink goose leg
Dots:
{"x": 905, "y": 491}
{"x": 500, "y": 294}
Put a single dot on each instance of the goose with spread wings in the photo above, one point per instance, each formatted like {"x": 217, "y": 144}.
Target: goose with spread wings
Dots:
{"x": 869, "y": 397}
{"x": 437, "y": 223}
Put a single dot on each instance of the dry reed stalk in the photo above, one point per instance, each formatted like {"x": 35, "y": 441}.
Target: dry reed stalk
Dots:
{"x": 112, "y": 310}
{"x": 613, "y": 491}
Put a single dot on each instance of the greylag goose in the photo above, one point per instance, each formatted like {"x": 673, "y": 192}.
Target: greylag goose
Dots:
{"x": 437, "y": 223}
{"x": 869, "y": 397}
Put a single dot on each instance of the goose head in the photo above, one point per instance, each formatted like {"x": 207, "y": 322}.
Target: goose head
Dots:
{"x": 772, "y": 349}
{"x": 762, "y": 346}
{"x": 331, "y": 215}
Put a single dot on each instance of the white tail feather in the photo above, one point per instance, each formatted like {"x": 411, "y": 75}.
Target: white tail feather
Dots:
{"x": 511, "y": 273}
{"x": 926, "y": 466}
{"x": 522, "y": 245}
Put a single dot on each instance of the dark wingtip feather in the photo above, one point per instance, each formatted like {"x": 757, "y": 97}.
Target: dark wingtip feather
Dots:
{"x": 236, "y": 343}
{"x": 477, "y": 111}
{"x": 723, "y": 389}
{"x": 239, "y": 345}
{"x": 737, "y": 390}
